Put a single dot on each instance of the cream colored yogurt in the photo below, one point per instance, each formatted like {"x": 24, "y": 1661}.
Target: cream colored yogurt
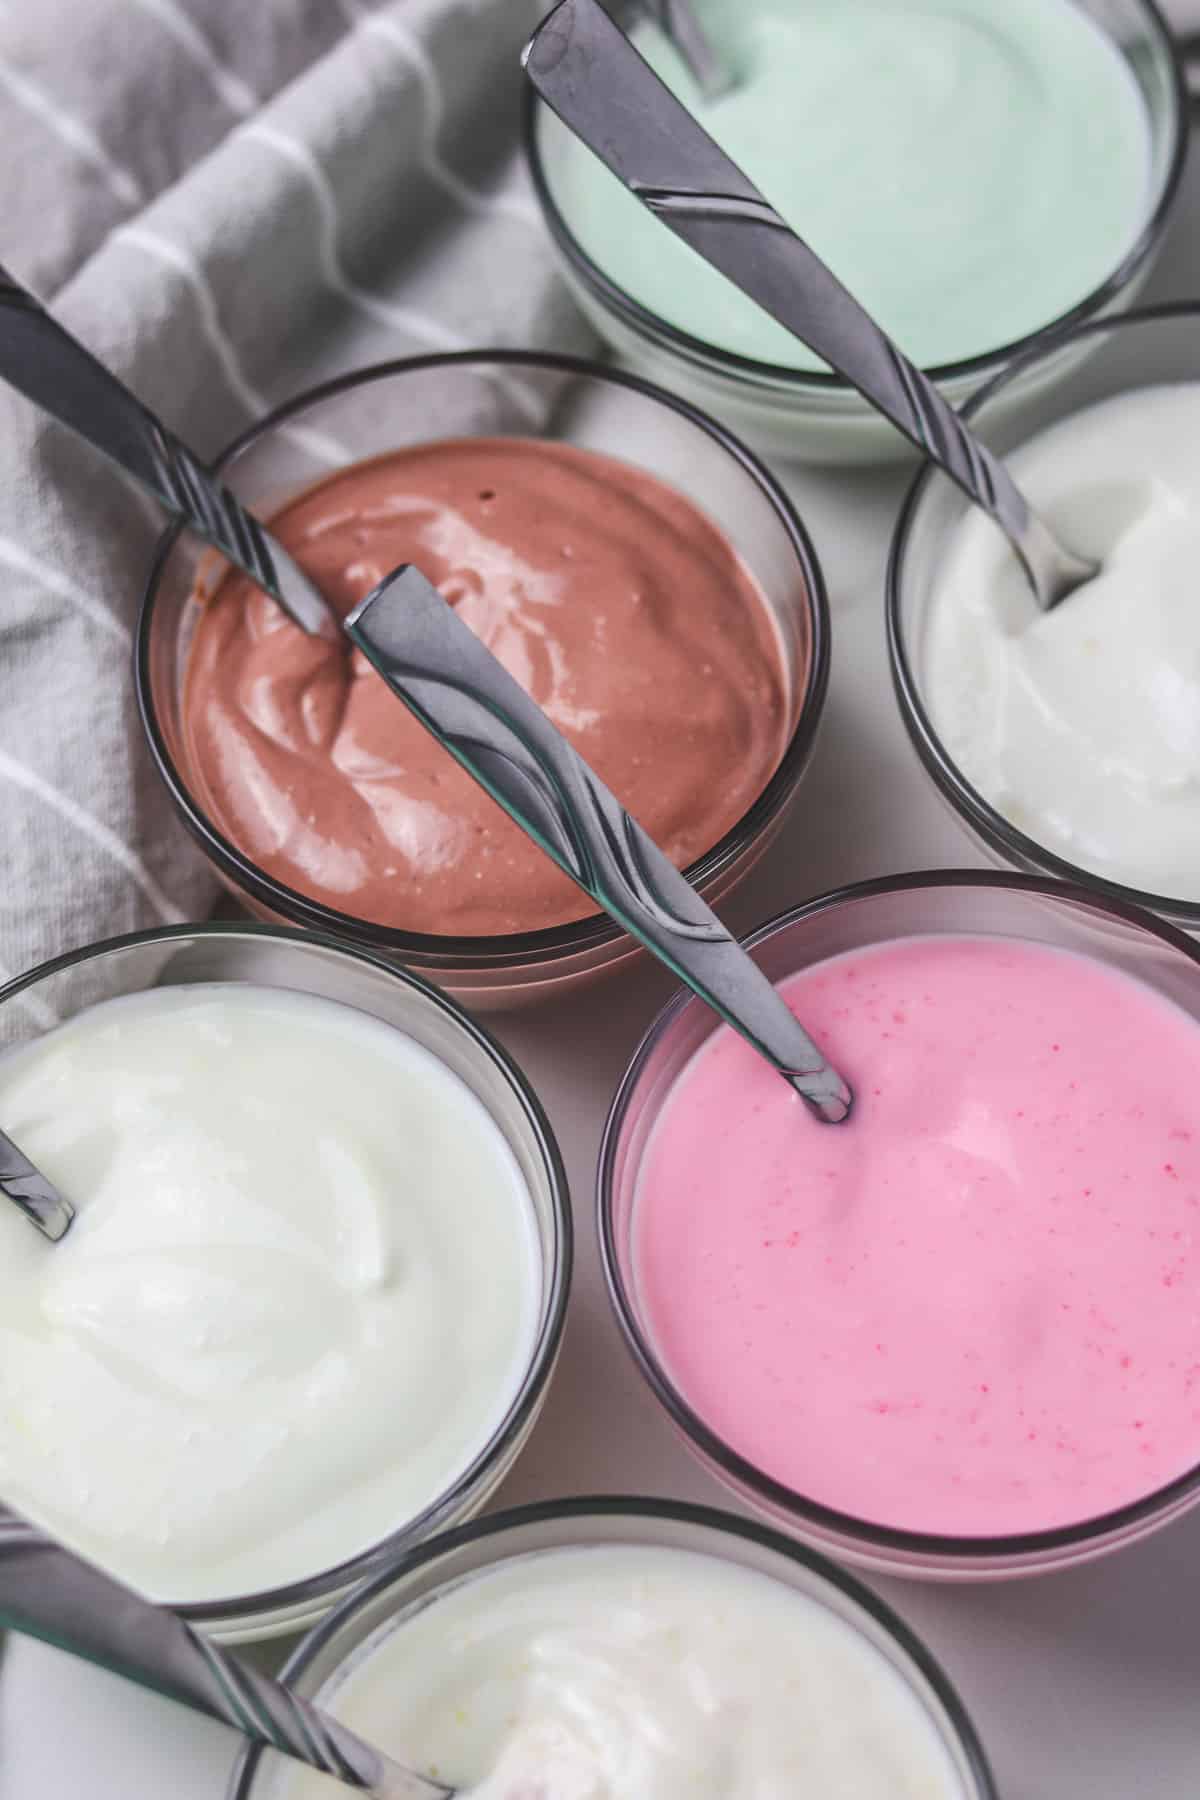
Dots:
{"x": 629, "y": 1672}
{"x": 299, "y": 1294}
{"x": 1082, "y": 725}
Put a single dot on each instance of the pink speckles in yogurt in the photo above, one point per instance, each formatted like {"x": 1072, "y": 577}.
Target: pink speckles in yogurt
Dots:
{"x": 975, "y": 1309}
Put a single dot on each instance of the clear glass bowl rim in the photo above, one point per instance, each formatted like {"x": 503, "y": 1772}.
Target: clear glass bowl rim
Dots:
{"x": 788, "y": 1501}
{"x": 579, "y": 935}
{"x": 602, "y": 1506}
{"x": 992, "y": 826}
{"x": 249, "y": 1608}
{"x": 699, "y": 350}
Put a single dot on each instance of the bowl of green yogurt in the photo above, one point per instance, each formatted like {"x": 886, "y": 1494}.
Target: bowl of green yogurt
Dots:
{"x": 977, "y": 174}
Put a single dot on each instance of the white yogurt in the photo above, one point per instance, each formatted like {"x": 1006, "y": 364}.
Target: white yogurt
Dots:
{"x": 299, "y": 1294}
{"x": 1082, "y": 725}
{"x": 627, "y": 1672}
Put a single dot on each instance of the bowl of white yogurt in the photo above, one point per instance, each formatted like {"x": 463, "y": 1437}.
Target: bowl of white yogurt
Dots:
{"x": 621, "y": 1649}
{"x": 976, "y": 174}
{"x": 311, "y": 1300}
{"x": 1068, "y": 742}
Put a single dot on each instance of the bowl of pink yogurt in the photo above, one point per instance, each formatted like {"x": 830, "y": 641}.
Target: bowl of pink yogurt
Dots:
{"x": 642, "y": 575}
{"x": 957, "y": 1336}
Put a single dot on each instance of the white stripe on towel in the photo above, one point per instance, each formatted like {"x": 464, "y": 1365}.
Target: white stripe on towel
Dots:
{"x": 316, "y": 443}
{"x": 386, "y": 25}
{"x": 386, "y": 312}
{"x": 94, "y": 830}
{"x": 400, "y": 318}
{"x": 229, "y": 87}
{"x": 16, "y": 556}
{"x": 186, "y": 265}
{"x": 74, "y": 133}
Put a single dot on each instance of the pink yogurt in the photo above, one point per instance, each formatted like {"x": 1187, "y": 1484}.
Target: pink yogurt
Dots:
{"x": 975, "y": 1309}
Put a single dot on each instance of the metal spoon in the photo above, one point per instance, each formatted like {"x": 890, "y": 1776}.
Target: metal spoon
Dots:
{"x": 33, "y": 1192}
{"x": 455, "y": 686}
{"x": 48, "y": 1592}
{"x": 460, "y": 692}
{"x": 585, "y": 68}
{"x": 467, "y": 699}
{"x": 41, "y": 359}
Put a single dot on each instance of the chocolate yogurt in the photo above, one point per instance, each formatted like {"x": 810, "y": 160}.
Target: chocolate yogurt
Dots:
{"x": 621, "y": 609}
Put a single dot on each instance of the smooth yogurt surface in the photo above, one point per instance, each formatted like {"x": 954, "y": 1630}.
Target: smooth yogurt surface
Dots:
{"x": 615, "y": 602}
{"x": 974, "y": 1309}
{"x": 298, "y": 1296}
{"x": 636, "y": 1673}
{"x": 971, "y": 170}
{"x": 1082, "y": 725}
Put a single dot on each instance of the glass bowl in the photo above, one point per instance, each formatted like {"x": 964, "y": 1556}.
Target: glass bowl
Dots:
{"x": 497, "y": 393}
{"x": 818, "y": 416}
{"x": 953, "y": 903}
{"x": 1157, "y": 344}
{"x": 320, "y": 1664}
{"x": 313, "y": 964}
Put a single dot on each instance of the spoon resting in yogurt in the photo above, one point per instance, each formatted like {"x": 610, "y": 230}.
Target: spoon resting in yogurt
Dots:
{"x": 48, "y": 1592}
{"x": 588, "y": 72}
{"x": 434, "y": 663}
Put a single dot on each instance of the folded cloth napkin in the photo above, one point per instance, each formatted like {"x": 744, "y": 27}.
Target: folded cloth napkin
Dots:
{"x": 226, "y": 202}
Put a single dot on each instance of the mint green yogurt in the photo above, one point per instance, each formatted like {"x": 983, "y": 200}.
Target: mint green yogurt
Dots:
{"x": 971, "y": 169}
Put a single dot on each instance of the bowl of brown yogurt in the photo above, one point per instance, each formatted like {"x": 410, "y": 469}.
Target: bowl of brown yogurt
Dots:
{"x": 634, "y": 566}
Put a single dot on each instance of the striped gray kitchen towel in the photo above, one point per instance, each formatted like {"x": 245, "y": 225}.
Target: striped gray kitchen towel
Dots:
{"x": 225, "y": 199}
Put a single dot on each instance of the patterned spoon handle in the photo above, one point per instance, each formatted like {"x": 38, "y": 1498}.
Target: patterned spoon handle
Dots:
{"x": 472, "y": 705}
{"x": 48, "y": 1592}
{"x": 41, "y": 359}
{"x": 587, "y": 71}
{"x": 33, "y": 1192}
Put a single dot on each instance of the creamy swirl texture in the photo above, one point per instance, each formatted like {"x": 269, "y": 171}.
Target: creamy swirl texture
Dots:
{"x": 297, "y": 1298}
{"x": 612, "y": 600}
{"x": 628, "y": 1672}
{"x": 1082, "y": 725}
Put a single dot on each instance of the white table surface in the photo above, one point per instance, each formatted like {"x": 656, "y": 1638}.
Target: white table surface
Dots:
{"x": 1084, "y": 1685}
